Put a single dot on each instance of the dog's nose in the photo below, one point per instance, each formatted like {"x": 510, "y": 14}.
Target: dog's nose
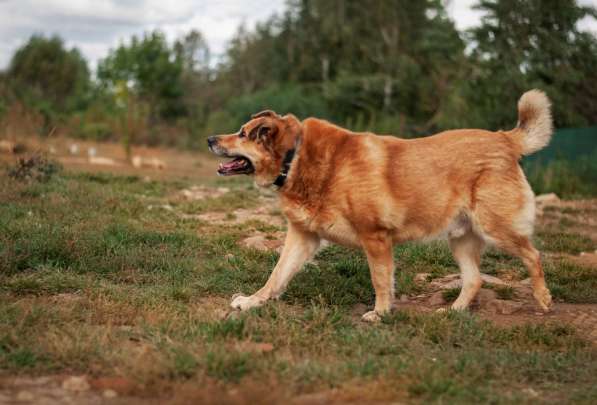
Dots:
{"x": 211, "y": 141}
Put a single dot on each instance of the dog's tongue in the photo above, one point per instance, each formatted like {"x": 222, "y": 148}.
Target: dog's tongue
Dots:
{"x": 236, "y": 163}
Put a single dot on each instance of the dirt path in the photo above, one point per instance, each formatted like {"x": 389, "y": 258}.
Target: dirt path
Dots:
{"x": 157, "y": 163}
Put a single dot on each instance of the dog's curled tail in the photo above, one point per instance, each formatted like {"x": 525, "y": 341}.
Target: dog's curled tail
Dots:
{"x": 535, "y": 125}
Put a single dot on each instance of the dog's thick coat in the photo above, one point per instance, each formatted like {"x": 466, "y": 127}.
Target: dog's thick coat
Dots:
{"x": 370, "y": 191}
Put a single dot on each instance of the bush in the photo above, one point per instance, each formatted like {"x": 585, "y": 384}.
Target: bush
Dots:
{"x": 34, "y": 168}
{"x": 566, "y": 178}
{"x": 301, "y": 101}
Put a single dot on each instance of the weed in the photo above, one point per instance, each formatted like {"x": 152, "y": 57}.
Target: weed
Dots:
{"x": 504, "y": 292}
{"x": 451, "y": 294}
{"x": 35, "y": 168}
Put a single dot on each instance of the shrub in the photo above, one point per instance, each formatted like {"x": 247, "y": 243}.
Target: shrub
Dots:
{"x": 34, "y": 168}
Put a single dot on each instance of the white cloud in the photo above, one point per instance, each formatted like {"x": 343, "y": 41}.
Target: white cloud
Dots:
{"x": 95, "y": 26}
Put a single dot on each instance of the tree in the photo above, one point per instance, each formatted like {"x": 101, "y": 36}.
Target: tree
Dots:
{"x": 384, "y": 61}
{"x": 193, "y": 50}
{"x": 522, "y": 44}
{"x": 47, "y": 76}
{"x": 151, "y": 69}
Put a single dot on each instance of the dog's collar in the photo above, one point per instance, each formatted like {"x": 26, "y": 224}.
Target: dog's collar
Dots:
{"x": 281, "y": 179}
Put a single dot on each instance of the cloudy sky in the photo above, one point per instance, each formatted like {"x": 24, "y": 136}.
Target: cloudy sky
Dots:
{"x": 95, "y": 26}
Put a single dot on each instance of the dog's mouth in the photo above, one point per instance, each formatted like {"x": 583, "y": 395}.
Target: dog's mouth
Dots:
{"x": 238, "y": 165}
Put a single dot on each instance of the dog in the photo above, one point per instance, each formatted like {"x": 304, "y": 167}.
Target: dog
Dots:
{"x": 371, "y": 192}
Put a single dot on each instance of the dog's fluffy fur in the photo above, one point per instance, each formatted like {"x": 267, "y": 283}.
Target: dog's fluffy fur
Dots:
{"x": 370, "y": 191}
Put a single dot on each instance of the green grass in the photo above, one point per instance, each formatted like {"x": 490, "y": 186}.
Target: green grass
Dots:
{"x": 94, "y": 282}
{"x": 556, "y": 241}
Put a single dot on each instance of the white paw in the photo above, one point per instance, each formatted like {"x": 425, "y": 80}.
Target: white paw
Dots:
{"x": 371, "y": 316}
{"x": 459, "y": 307}
{"x": 243, "y": 303}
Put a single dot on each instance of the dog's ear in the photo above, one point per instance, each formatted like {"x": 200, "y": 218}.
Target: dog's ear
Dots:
{"x": 263, "y": 132}
{"x": 265, "y": 113}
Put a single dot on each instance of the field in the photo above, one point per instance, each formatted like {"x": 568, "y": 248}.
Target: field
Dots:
{"x": 114, "y": 288}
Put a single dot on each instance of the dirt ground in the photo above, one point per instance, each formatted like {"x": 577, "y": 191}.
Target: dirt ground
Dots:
{"x": 155, "y": 162}
{"x": 520, "y": 309}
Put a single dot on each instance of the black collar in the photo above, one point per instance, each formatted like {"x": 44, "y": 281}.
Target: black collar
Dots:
{"x": 281, "y": 179}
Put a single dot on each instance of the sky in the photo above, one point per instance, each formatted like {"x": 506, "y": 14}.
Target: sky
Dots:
{"x": 95, "y": 26}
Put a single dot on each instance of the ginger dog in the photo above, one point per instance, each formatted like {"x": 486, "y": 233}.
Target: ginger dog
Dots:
{"x": 370, "y": 191}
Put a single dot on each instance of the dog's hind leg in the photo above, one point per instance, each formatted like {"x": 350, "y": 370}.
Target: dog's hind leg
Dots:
{"x": 381, "y": 265}
{"x": 506, "y": 218}
{"x": 298, "y": 248}
{"x": 466, "y": 250}
{"x": 521, "y": 246}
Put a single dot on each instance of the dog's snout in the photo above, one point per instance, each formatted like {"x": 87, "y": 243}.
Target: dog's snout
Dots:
{"x": 211, "y": 141}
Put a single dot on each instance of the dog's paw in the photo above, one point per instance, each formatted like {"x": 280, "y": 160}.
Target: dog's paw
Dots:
{"x": 243, "y": 303}
{"x": 543, "y": 298}
{"x": 459, "y": 307}
{"x": 371, "y": 316}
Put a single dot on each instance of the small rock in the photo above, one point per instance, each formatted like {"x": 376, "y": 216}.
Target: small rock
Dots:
{"x": 109, "y": 393}
{"x": 137, "y": 161}
{"x": 25, "y": 396}
{"x": 437, "y": 299}
{"x": 102, "y": 161}
{"x": 454, "y": 281}
{"x": 404, "y": 298}
{"x": 260, "y": 242}
{"x": 201, "y": 192}
{"x": 492, "y": 280}
{"x": 505, "y": 307}
{"x": 76, "y": 383}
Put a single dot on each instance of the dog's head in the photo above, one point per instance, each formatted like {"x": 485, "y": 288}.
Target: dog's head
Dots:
{"x": 259, "y": 147}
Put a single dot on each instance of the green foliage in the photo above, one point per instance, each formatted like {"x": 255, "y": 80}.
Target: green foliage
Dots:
{"x": 524, "y": 44}
{"x": 566, "y": 177}
{"x": 392, "y": 67}
{"x": 294, "y": 99}
{"x": 152, "y": 68}
{"x": 49, "y": 78}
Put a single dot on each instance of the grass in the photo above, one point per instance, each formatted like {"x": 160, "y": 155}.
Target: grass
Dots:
{"x": 94, "y": 282}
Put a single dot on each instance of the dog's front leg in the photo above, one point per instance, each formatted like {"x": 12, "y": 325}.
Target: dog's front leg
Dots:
{"x": 378, "y": 248}
{"x": 298, "y": 248}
